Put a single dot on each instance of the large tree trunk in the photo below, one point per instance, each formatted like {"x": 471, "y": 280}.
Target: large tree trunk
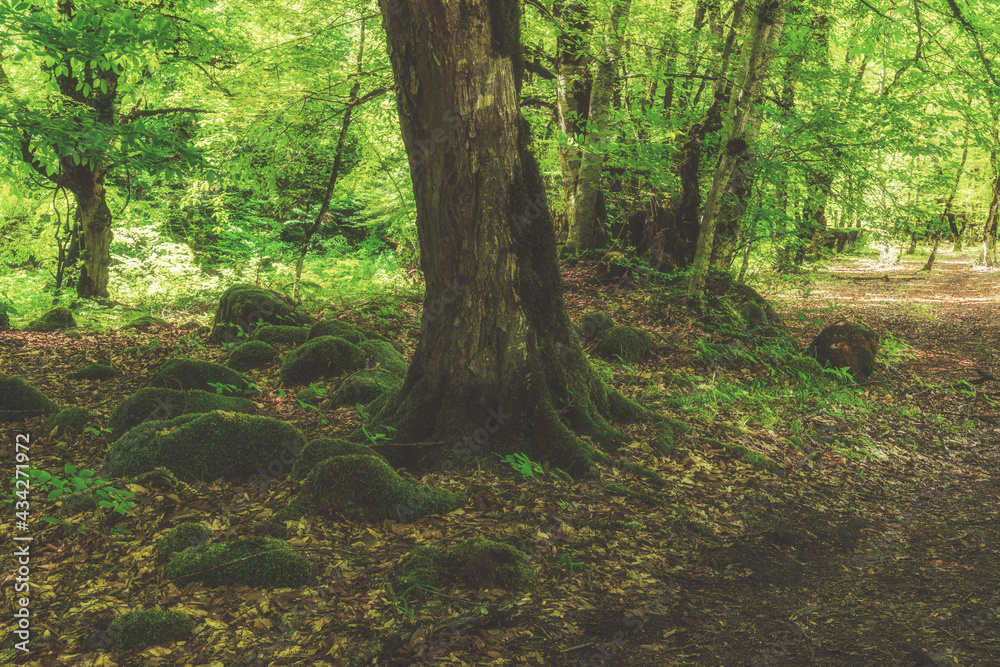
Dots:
{"x": 92, "y": 223}
{"x": 989, "y": 256}
{"x": 497, "y": 360}
{"x": 583, "y": 223}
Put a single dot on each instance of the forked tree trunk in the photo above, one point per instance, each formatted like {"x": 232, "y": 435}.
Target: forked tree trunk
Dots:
{"x": 497, "y": 362}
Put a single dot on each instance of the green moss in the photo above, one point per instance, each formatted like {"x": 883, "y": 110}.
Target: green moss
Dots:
{"x": 754, "y": 458}
{"x": 381, "y": 354}
{"x": 242, "y": 308}
{"x": 20, "y": 400}
{"x": 595, "y": 324}
{"x": 251, "y": 354}
{"x": 320, "y": 449}
{"x": 365, "y": 386}
{"x": 366, "y": 488}
{"x": 803, "y": 367}
{"x": 196, "y": 374}
{"x": 209, "y": 446}
{"x": 626, "y": 343}
{"x": 180, "y": 538}
{"x": 277, "y": 333}
{"x": 75, "y": 418}
{"x": 157, "y": 403}
{"x": 321, "y": 357}
{"x": 96, "y": 371}
{"x": 142, "y": 628}
{"x": 477, "y": 563}
{"x": 55, "y": 319}
{"x": 254, "y": 561}
{"x": 145, "y": 322}
{"x": 336, "y": 328}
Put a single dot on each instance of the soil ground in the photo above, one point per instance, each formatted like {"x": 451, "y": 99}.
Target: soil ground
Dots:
{"x": 836, "y": 559}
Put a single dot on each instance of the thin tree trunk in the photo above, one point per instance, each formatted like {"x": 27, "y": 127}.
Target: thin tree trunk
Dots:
{"x": 583, "y": 223}
{"x": 497, "y": 363}
{"x": 769, "y": 15}
{"x": 989, "y": 256}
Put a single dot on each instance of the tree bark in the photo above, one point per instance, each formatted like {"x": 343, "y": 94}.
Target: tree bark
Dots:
{"x": 989, "y": 256}
{"x": 497, "y": 362}
{"x": 769, "y": 16}
{"x": 583, "y": 223}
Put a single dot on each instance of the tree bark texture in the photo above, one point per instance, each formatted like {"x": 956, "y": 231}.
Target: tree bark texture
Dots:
{"x": 497, "y": 363}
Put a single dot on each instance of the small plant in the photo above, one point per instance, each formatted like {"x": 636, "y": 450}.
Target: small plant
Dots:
{"x": 566, "y": 561}
{"x": 521, "y": 463}
{"x": 223, "y": 388}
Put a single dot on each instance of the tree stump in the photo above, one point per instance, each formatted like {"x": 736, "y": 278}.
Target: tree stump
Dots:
{"x": 849, "y": 345}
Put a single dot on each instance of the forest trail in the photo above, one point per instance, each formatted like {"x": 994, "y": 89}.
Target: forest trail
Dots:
{"x": 907, "y": 572}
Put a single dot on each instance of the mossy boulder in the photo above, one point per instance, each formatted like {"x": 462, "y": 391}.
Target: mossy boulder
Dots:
{"x": 320, "y": 449}
{"x": 20, "y": 400}
{"x": 383, "y": 355}
{"x": 253, "y": 561}
{"x": 204, "y": 375}
{"x": 365, "y": 386}
{"x": 594, "y": 324}
{"x": 611, "y": 267}
{"x": 56, "y": 319}
{"x": 251, "y": 354}
{"x": 337, "y": 328}
{"x": 181, "y": 537}
{"x": 144, "y": 322}
{"x": 321, "y": 357}
{"x": 139, "y": 629}
{"x": 242, "y": 308}
{"x": 280, "y": 333}
{"x": 476, "y": 563}
{"x": 158, "y": 404}
{"x": 102, "y": 370}
{"x": 74, "y": 418}
{"x": 364, "y": 488}
{"x": 625, "y": 343}
{"x": 208, "y": 446}
{"x": 850, "y": 345}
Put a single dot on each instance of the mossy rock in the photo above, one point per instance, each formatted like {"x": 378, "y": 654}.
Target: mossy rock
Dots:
{"x": 308, "y": 395}
{"x": 208, "y": 446}
{"x": 613, "y": 266}
{"x": 251, "y": 354}
{"x": 20, "y": 400}
{"x": 75, "y": 418}
{"x": 320, "y": 449}
{"x": 850, "y": 345}
{"x": 139, "y": 629}
{"x": 803, "y": 367}
{"x": 158, "y": 403}
{"x": 365, "y": 488}
{"x": 242, "y": 308}
{"x": 182, "y": 373}
{"x": 102, "y": 370}
{"x": 625, "y": 343}
{"x": 181, "y": 537}
{"x": 476, "y": 563}
{"x": 365, "y": 386}
{"x": 56, "y": 319}
{"x": 253, "y": 561}
{"x": 383, "y": 355}
{"x": 280, "y": 333}
{"x": 337, "y": 328}
{"x": 594, "y": 324}
{"x": 321, "y": 357}
{"x": 189, "y": 326}
{"x": 145, "y": 322}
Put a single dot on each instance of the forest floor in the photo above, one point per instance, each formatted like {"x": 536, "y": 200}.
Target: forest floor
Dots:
{"x": 876, "y": 541}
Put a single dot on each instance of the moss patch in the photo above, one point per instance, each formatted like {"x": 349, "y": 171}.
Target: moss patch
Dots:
{"x": 145, "y": 322}
{"x": 626, "y": 343}
{"x": 254, "y": 561}
{"x": 102, "y": 370}
{"x": 279, "y": 333}
{"x": 251, "y": 354}
{"x": 321, "y": 357}
{"x": 365, "y": 386}
{"x": 381, "y": 354}
{"x": 20, "y": 400}
{"x": 595, "y": 324}
{"x": 242, "y": 308}
{"x": 75, "y": 418}
{"x": 208, "y": 446}
{"x": 139, "y": 629}
{"x": 202, "y": 375}
{"x": 320, "y": 449}
{"x": 157, "y": 403}
{"x": 180, "y": 538}
{"x": 476, "y": 563}
{"x": 55, "y": 319}
{"x": 336, "y": 328}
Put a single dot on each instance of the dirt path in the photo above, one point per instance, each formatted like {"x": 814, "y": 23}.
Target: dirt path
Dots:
{"x": 907, "y": 571}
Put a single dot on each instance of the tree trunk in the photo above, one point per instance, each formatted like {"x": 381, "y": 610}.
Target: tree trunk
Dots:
{"x": 497, "y": 359}
{"x": 91, "y": 231}
{"x": 989, "y": 256}
{"x": 583, "y": 223}
{"x": 769, "y": 17}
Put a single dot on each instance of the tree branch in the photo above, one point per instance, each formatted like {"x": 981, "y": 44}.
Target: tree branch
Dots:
{"x": 142, "y": 113}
